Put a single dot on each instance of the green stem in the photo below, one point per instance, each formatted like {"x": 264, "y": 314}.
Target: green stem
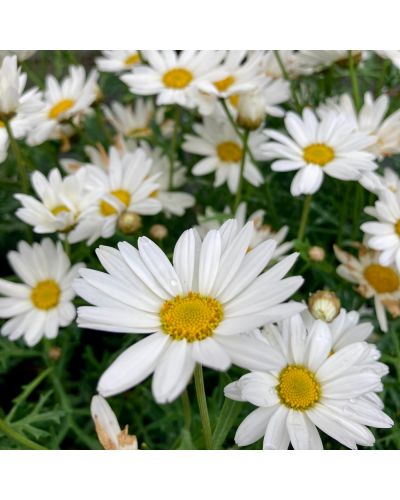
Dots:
{"x": 285, "y": 74}
{"x": 304, "y": 216}
{"x": 354, "y": 82}
{"x": 202, "y": 402}
{"x": 18, "y": 158}
{"x": 172, "y": 152}
{"x": 7, "y": 430}
{"x": 187, "y": 413}
{"x": 381, "y": 81}
{"x": 242, "y": 163}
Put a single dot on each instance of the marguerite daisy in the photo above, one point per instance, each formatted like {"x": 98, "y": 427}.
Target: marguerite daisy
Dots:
{"x": 116, "y": 61}
{"x": 131, "y": 122}
{"x": 373, "y": 280}
{"x": 392, "y": 55}
{"x": 217, "y": 140}
{"x": 311, "y": 61}
{"x": 376, "y": 183}
{"x": 311, "y": 388}
{"x": 317, "y": 147}
{"x": 174, "y": 77}
{"x": 194, "y": 309}
{"x": 43, "y": 302}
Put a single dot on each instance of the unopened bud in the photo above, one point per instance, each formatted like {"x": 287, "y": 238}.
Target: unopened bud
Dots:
{"x": 317, "y": 254}
{"x": 54, "y": 353}
{"x": 158, "y": 232}
{"x": 251, "y": 110}
{"x": 324, "y": 305}
{"x": 129, "y": 222}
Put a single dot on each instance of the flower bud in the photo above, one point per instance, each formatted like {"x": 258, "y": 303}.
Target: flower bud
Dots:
{"x": 158, "y": 232}
{"x": 129, "y": 222}
{"x": 324, "y": 305}
{"x": 317, "y": 254}
{"x": 54, "y": 353}
{"x": 251, "y": 110}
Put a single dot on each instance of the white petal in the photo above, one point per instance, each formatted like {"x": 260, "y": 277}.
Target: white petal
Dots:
{"x": 209, "y": 353}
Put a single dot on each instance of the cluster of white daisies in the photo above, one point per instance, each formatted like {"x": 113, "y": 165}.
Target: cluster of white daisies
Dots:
{"x": 224, "y": 299}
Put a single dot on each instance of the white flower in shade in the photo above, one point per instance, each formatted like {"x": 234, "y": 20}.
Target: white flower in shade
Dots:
{"x": 262, "y": 232}
{"x": 194, "y": 309}
{"x": 110, "y": 434}
{"x": 370, "y": 120}
{"x": 275, "y": 92}
{"x": 64, "y": 101}
{"x": 392, "y": 55}
{"x": 375, "y": 183}
{"x": 116, "y": 61}
{"x": 13, "y": 100}
{"x": 97, "y": 156}
{"x": 384, "y": 235}
{"x": 312, "y": 61}
{"x": 43, "y": 302}
{"x": 311, "y": 389}
{"x": 174, "y": 77}
{"x": 22, "y": 55}
{"x": 61, "y": 201}
{"x": 271, "y": 68}
{"x": 373, "y": 280}
{"x": 124, "y": 187}
{"x": 131, "y": 121}
{"x": 317, "y": 147}
{"x": 251, "y": 110}
{"x": 217, "y": 140}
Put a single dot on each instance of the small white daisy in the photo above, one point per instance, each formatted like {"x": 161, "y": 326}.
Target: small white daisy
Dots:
{"x": 131, "y": 121}
{"x": 22, "y": 55}
{"x": 271, "y": 68}
{"x": 317, "y": 147}
{"x": 392, "y": 55}
{"x": 310, "y": 389}
{"x": 375, "y": 183}
{"x": 110, "y": 434}
{"x": 43, "y": 302}
{"x": 116, "y": 61}
{"x": 373, "y": 280}
{"x": 312, "y": 61}
{"x": 370, "y": 120}
{"x": 384, "y": 235}
{"x": 194, "y": 309}
{"x": 64, "y": 101}
{"x": 174, "y": 77}
{"x": 124, "y": 187}
{"x": 217, "y": 140}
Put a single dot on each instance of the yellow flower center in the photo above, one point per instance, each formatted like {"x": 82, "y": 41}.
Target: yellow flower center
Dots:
{"x": 123, "y": 196}
{"x": 154, "y": 194}
{"x": 2, "y": 125}
{"x": 298, "y": 388}
{"x": 177, "y": 78}
{"x": 229, "y": 151}
{"x": 46, "y": 294}
{"x": 383, "y": 279}
{"x": 234, "y": 100}
{"x": 397, "y": 227}
{"x": 60, "y": 208}
{"x": 140, "y": 132}
{"x": 191, "y": 317}
{"x": 319, "y": 154}
{"x": 60, "y": 108}
{"x": 224, "y": 84}
{"x": 132, "y": 59}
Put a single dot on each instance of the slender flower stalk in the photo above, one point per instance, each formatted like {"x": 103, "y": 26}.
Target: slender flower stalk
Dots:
{"x": 242, "y": 162}
{"x": 202, "y": 402}
{"x": 18, "y": 158}
{"x": 304, "y": 216}
{"x": 172, "y": 152}
{"x": 11, "y": 433}
{"x": 291, "y": 82}
{"x": 354, "y": 82}
{"x": 187, "y": 413}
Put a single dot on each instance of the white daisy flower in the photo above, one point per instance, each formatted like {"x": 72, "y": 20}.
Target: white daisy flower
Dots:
{"x": 312, "y": 61}
{"x": 22, "y": 55}
{"x": 61, "y": 201}
{"x": 384, "y": 235}
{"x": 310, "y": 389}
{"x": 373, "y": 280}
{"x": 262, "y": 232}
{"x": 64, "y": 101}
{"x": 174, "y": 77}
{"x": 116, "y": 61}
{"x": 42, "y": 304}
{"x": 271, "y": 68}
{"x": 217, "y": 140}
{"x": 375, "y": 183}
{"x": 194, "y": 309}
{"x": 110, "y": 434}
{"x": 124, "y": 187}
{"x": 392, "y": 55}
{"x": 275, "y": 92}
{"x": 317, "y": 147}
{"x": 370, "y": 120}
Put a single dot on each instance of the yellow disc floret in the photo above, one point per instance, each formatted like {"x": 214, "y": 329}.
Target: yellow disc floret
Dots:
{"x": 132, "y": 59}
{"x": 383, "y": 279}
{"x": 59, "y": 208}
{"x": 318, "y": 154}
{"x": 60, "y": 108}
{"x": 298, "y": 388}
{"x": 191, "y": 317}
{"x": 106, "y": 209}
{"x": 229, "y": 152}
{"x": 224, "y": 84}
{"x": 46, "y": 294}
{"x": 397, "y": 227}
{"x": 177, "y": 78}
